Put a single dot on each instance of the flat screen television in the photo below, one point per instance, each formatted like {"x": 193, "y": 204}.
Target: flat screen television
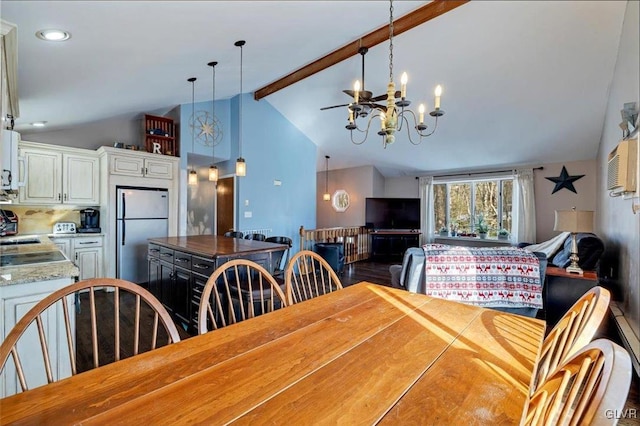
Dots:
{"x": 392, "y": 213}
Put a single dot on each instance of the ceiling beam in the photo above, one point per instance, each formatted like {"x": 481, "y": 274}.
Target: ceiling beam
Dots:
{"x": 404, "y": 23}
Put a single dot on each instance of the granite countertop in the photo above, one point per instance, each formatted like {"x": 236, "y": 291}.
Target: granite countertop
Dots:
{"x": 77, "y": 235}
{"x": 34, "y": 272}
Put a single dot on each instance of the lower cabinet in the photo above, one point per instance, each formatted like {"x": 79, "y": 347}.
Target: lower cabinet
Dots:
{"x": 177, "y": 280}
{"x": 86, "y": 252}
{"x": 562, "y": 290}
{"x": 393, "y": 244}
{"x": 181, "y": 297}
{"x": 160, "y": 281}
{"x": 15, "y": 301}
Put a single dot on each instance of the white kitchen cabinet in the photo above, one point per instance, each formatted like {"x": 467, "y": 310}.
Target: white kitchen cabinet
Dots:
{"x": 15, "y": 301}
{"x": 86, "y": 252}
{"x": 140, "y": 166}
{"x": 58, "y": 175}
{"x": 87, "y": 255}
{"x": 64, "y": 244}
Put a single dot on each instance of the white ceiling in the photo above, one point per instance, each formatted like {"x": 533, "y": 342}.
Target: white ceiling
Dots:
{"x": 525, "y": 82}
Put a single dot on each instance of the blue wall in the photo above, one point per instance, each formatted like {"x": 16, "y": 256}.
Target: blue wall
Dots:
{"x": 273, "y": 149}
{"x": 223, "y": 149}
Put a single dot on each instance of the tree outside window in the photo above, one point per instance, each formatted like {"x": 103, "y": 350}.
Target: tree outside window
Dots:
{"x": 458, "y": 205}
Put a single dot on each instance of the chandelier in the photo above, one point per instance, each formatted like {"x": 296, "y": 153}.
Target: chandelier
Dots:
{"x": 396, "y": 113}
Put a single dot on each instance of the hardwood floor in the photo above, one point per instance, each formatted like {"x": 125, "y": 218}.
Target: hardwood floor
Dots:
{"x": 105, "y": 319}
{"x": 372, "y": 271}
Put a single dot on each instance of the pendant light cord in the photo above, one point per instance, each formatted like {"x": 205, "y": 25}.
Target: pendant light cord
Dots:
{"x": 390, "y": 40}
{"x": 326, "y": 175}
{"x": 213, "y": 111}
{"x": 193, "y": 116}
{"x": 240, "y": 115}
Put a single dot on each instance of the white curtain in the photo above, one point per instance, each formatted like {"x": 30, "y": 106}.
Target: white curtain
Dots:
{"x": 427, "y": 209}
{"x": 524, "y": 207}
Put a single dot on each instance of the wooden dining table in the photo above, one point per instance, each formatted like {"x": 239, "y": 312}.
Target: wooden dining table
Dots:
{"x": 367, "y": 354}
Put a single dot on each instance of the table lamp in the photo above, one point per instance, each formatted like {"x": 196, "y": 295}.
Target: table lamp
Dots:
{"x": 574, "y": 221}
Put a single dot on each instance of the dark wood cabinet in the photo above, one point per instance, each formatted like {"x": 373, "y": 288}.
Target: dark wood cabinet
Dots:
{"x": 393, "y": 244}
{"x": 168, "y": 283}
{"x": 160, "y": 278}
{"x": 179, "y": 269}
{"x": 181, "y": 297}
{"x": 562, "y": 290}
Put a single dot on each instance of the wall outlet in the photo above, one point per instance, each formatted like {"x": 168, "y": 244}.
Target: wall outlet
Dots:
{"x": 277, "y": 182}
{"x": 248, "y": 214}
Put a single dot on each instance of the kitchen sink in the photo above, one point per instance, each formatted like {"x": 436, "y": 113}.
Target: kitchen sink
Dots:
{"x": 22, "y": 259}
{"x": 19, "y": 242}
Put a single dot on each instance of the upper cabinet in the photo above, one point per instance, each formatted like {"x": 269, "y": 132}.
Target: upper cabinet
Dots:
{"x": 58, "y": 175}
{"x": 139, "y": 164}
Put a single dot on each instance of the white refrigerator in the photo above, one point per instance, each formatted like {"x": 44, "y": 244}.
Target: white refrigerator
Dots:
{"x": 142, "y": 213}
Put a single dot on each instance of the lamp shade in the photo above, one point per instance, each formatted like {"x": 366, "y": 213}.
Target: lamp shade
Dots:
{"x": 574, "y": 221}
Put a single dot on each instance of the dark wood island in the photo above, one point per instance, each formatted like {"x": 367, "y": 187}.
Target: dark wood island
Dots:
{"x": 180, "y": 266}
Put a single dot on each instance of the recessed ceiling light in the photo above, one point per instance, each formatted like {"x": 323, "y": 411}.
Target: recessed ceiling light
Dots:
{"x": 38, "y": 123}
{"x": 53, "y": 35}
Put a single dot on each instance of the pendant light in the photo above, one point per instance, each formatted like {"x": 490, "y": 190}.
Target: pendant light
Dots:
{"x": 241, "y": 166}
{"x": 326, "y": 196}
{"x": 193, "y": 176}
{"x": 213, "y": 169}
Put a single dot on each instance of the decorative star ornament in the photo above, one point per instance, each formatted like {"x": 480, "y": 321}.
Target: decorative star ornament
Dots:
{"x": 564, "y": 181}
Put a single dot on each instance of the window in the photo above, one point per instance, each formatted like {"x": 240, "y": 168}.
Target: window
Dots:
{"x": 459, "y": 204}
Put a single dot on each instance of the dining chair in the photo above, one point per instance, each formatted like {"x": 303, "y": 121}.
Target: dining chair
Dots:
{"x": 238, "y": 290}
{"x": 308, "y": 275}
{"x": 588, "y": 389}
{"x": 233, "y": 234}
{"x": 124, "y": 297}
{"x": 575, "y": 329}
{"x": 278, "y": 267}
{"x": 255, "y": 237}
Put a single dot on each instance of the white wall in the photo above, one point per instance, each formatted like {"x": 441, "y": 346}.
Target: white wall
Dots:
{"x": 547, "y": 203}
{"x": 615, "y": 220}
{"x": 402, "y": 187}
{"x": 360, "y": 183}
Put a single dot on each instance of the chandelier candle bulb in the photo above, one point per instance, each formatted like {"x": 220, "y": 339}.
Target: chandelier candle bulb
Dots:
{"x": 356, "y": 91}
{"x": 350, "y": 116}
{"x": 403, "y": 85}
{"x": 382, "y": 119}
{"x": 438, "y": 93}
{"x": 421, "y": 114}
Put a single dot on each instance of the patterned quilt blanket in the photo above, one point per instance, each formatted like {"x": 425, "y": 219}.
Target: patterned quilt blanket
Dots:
{"x": 483, "y": 276}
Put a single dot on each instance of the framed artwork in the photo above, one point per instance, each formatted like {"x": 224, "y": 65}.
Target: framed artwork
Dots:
{"x": 340, "y": 200}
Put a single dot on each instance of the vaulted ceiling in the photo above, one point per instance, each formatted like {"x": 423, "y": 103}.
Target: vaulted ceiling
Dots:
{"x": 525, "y": 82}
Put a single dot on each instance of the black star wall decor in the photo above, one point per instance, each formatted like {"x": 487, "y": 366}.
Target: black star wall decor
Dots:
{"x": 564, "y": 181}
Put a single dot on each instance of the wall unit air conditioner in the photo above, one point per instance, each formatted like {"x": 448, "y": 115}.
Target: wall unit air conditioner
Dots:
{"x": 622, "y": 166}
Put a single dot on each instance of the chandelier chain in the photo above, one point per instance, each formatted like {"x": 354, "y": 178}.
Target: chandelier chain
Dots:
{"x": 391, "y": 40}
{"x": 396, "y": 116}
